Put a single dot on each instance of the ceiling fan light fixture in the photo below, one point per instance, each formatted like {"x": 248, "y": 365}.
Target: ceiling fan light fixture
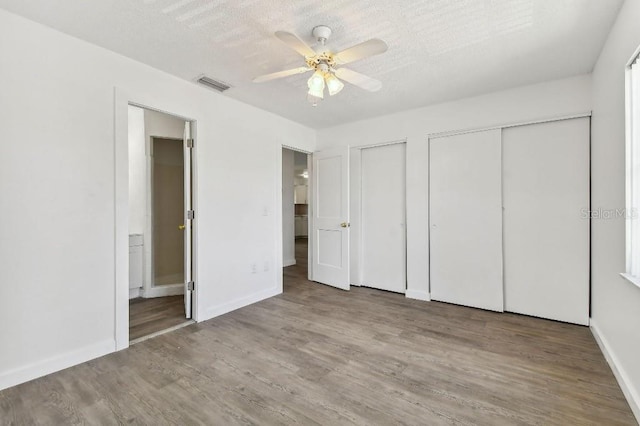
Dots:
{"x": 316, "y": 81}
{"x": 334, "y": 85}
{"x": 323, "y": 62}
{"x": 316, "y": 88}
{"x": 317, "y": 92}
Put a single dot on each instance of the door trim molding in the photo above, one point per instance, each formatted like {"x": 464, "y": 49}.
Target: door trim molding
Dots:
{"x": 157, "y": 102}
{"x": 280, "y": 261}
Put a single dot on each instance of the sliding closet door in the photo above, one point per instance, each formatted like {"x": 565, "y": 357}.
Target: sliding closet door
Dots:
{"x": 465, "y": 214}
{"x": 383, "y": 248}
{"x": 546, "y": 237}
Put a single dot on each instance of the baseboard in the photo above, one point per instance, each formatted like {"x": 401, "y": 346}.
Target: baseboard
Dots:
{"x": 163, "y": 291}
{"x": 629, "y": 391}
{"x": 134, "y": 293}
{"x": 239, "y": 303}
{"x": 56, "y": 363}
{"x": 417, "y": 295}
{"x": 289, "y": 262}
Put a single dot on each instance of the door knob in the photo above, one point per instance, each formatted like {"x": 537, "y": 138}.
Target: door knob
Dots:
{"x": 181, "y": 227}
{"x": 344, "y": 224}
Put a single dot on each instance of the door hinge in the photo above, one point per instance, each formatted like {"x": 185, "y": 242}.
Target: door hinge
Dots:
{"x": 191, "y": 214}
{"x": 191, "y": 285}
{"x": 190, "y": 143}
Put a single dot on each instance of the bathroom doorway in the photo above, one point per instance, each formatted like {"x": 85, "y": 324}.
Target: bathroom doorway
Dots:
{"x": 160, "y": 223}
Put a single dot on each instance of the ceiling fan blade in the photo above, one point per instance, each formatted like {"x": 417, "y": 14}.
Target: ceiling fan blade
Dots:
{"x": 295, "y": 43}
{"x": 280, "y": 74}
{"x": 360, "y": 51}
{"x": 360, "y": 80}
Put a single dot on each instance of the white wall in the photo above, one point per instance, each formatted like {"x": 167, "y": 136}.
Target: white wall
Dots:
{"x": 615, "y": 302}
{"x": 137, "y": 171}
{"x": 57, "y": 243}
{"x": 288, "y": 238}
{"x": 550, "y": 99}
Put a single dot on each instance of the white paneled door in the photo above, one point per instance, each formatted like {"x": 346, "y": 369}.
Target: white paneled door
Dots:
{"x": 465, "y": 215}
{"x": 330, "y": 239}
{"x": 546, "y": 226}
{"x": 383, "y": 240}
{"x": 188, "y": 220}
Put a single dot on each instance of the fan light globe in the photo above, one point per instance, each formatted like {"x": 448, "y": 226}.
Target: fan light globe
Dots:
{"x": 316, "y": 85}
{"x": 316, "y": 82}
{"x": 334, "y": 85}
{"x": 316, "y": 93}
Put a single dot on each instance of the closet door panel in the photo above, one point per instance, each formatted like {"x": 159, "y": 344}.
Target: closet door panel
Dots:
{"x": 546, "y": 236}
{"x": 383, "y": 188}
{"x": 465, "y": 215}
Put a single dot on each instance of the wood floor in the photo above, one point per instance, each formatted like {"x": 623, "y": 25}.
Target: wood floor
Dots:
{"x": 317, "y": 355}
{"x": 147, "y": 316}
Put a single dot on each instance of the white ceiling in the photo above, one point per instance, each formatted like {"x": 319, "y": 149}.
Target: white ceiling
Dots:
{"x": 439, "y": 50}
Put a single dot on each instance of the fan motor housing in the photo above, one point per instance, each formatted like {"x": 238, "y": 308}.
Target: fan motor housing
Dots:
{"x": 321, "y": 58}
{"x": 321, "y": 33}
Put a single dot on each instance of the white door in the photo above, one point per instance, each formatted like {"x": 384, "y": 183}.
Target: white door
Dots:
{"x": 465, "y": 215}
{"x": 330, "y": 250}
{"x": 188, "y": 219}
{"x": 546, "y": 233}
{"x": 383, "y": 240}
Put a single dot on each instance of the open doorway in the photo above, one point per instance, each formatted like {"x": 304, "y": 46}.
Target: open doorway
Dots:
{"x": 160, "y": 216}
{"x": 295, "y": 217}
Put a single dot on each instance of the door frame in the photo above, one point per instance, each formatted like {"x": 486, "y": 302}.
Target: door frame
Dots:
{"x": 149, "y": 288}
{"x": 278, "y": 213}
{"x": 355, "y": 209}
{"x": 164, "y": 103}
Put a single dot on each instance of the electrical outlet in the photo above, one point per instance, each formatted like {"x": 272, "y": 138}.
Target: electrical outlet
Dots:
{"x": 254, "y": 268}
{"x": 265, "y": 211}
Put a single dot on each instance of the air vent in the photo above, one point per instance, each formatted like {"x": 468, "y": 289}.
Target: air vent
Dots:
{"x": 213, "y": 84}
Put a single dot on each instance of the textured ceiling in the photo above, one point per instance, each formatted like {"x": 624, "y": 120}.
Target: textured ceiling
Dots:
{"x": 439, "y": 50}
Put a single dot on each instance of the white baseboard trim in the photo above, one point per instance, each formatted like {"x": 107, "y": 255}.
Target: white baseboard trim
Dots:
{"x": 418, "y": 295}
{"x": 289, "y": 262}
{"x": 629, "y": 391}
{"x": 56, "y": 363}
{"x": 163, "y": 291}
{"x": 134, "y": 292}
{"x": 239, "y": 303}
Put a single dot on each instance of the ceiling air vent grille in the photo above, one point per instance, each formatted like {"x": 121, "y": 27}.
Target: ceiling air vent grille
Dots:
{"x": 213, "y": 84}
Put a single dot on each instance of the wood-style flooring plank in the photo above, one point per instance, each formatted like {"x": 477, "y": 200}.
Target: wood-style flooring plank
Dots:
{"x": 316, "y": 355}
{"x": 147, "y": 316}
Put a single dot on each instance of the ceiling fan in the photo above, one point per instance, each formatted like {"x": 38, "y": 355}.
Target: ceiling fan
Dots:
{"x": 326, "y": 64}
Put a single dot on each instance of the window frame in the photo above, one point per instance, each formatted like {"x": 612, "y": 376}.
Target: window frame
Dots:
{"x": 632, "y": 180}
